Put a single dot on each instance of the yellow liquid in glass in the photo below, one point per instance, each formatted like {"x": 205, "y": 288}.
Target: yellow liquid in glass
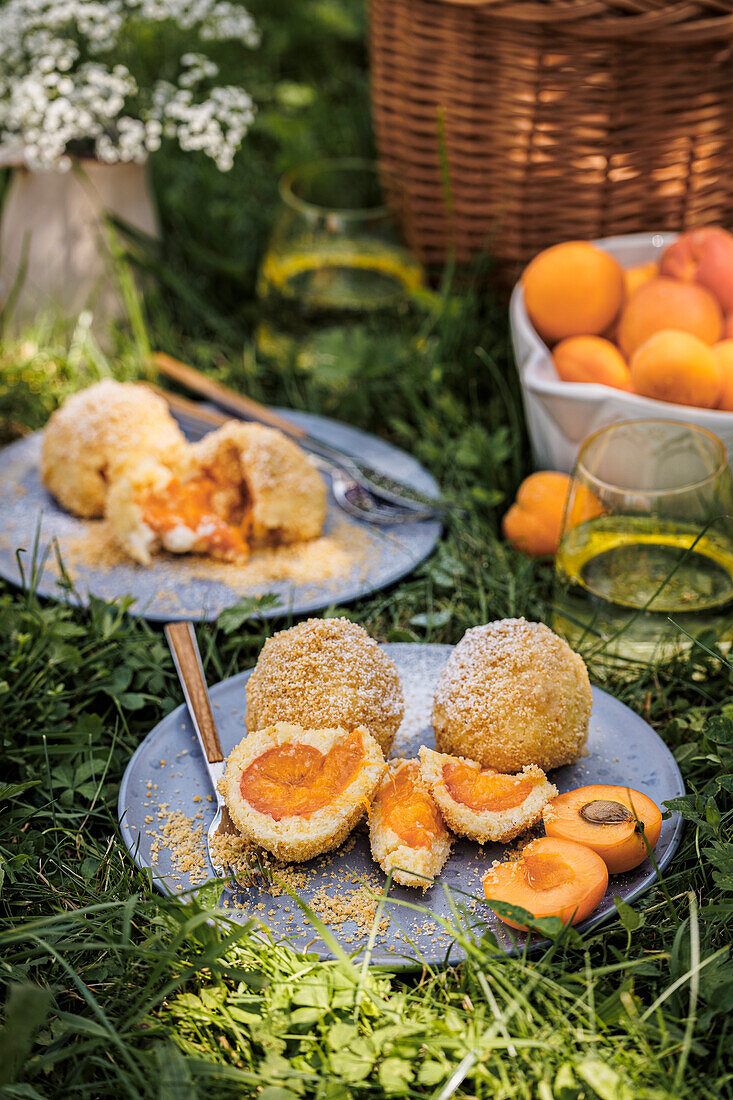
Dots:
{"x": 312, "y": 299}
{"x": 620, "y": 579}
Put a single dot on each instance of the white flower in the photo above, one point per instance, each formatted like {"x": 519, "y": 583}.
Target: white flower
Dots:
{"x": 57, "y": 89}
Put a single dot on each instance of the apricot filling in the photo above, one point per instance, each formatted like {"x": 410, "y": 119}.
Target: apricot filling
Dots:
{"x": 215, "y": 512}
{"x": 551, "y": 878}
{"x": 616, "y": 822}
{"x": 408, "y": 810}
{"x": 296, "y": 779}
{"x": 485, "y": 790}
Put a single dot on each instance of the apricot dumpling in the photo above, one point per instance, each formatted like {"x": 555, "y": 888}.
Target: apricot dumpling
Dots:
{"x": 326, "y": 672}
{"x": 98, "y": 434}
{"x": 513, "y": 693}
{"x": 406, "y": 831}
{"x": 485, "y": 805}
{"x": 243, "y": 486}
{"x": 299, "y": 792}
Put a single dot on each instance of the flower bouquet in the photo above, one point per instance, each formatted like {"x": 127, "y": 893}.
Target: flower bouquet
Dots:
{"x": 100, "y": 84}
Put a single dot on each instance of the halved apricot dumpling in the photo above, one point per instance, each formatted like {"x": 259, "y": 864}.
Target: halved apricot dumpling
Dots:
{"x": 605, "y": 818}
{"x": 189, "y": 510}
{"x": 406, "y": 831}
{"x": 299, "y": 792}
{"x": 213, "y": 511}
{"x": 485, "y": 805}
{"x": 550, "y": 878}
{"x": 242, "y": 486}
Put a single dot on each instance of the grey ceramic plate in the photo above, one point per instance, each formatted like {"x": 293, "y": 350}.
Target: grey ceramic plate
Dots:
{"x": 168, "y": 590}
{"x": 622, "y": 748}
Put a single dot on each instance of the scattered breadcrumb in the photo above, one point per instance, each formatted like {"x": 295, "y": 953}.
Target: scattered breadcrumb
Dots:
{"x": 348, "y": 547}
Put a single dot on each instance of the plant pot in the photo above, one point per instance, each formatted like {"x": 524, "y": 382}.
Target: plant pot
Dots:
{"x": 54, "y": 254}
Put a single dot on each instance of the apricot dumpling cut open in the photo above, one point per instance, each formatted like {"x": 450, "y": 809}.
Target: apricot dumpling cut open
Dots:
{"x": 485, "y": 805}
{"x": 153, "y": 508}
{"x": 299, "y": 792}
{"x": 242, "y": 486}
{"x": 407, "y": 833}
{"x": 609, "y": 820}
{"x": 550, "y": 878}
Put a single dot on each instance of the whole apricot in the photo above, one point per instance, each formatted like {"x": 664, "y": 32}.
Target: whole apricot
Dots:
{"x": 591, "y": 359}
{"x": 723, "y": 352}
{"x": 639, "y": 274}
{"x": 673, "y": 365}
{"x": 572, "y": 289}
{"x": 664, "y": 303}
{"x": 534, "y": 522}
{"x": 703, "y": 256}
{"x": 728, "y": 327}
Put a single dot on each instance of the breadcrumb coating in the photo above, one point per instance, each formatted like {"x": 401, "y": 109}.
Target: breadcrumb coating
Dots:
{"x": 287, "y": 495}
{"x": 299, "y": 837}
{"x": 498, "y": 826}
{"x": 326, "y": 672}
{"x": 513, "y": 693}
{"x": 410, "y": 866}
{"x": 98, "y": 434}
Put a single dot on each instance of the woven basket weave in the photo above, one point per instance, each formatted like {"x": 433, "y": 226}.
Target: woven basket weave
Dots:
{"x": 552, "y": 119}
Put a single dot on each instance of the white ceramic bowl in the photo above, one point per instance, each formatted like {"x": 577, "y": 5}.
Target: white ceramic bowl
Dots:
{"x": 560, "y": 415}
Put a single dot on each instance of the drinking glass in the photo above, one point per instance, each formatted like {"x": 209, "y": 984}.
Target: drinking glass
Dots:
{"x": 335, "y": 264}
{"x": 645, "y": 562}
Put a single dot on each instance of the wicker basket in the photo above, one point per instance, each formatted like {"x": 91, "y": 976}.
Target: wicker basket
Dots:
{"x": 552, "y": 119}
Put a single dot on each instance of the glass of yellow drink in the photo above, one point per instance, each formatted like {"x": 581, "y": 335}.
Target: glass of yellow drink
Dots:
{"x": 645, "y": 562}
{"x": 335, "y": 269}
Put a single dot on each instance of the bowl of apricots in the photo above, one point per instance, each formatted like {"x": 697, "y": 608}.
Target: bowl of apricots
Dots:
{"x": 625, "y": 328}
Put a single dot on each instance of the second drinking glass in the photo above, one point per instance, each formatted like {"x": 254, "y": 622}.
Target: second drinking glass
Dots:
{"x": 645, "y": 562}
{"x": 335, "y": 264}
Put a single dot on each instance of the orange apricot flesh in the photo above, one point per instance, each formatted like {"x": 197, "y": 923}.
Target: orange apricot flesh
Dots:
{"x": 551, "y": 878}
{"x": 604, "y": 818}
{"x": 408, "y": 809}
{"x": 190, "y": 504}
{"x": 296, "y": 780}
{"x": 485, "y": 790}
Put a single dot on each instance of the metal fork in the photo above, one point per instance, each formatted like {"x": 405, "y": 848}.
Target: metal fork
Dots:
{"x": 349, "y": 493}
{"x": 386, "y": 489}
{"x": 187, "y": 659}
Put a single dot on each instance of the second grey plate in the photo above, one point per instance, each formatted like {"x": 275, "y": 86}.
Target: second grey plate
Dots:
{"x": 166, "y": 784}
{"x": 170, "y": 589}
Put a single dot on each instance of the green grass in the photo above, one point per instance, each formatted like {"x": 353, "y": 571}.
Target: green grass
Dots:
{"x": 111, "y": 990}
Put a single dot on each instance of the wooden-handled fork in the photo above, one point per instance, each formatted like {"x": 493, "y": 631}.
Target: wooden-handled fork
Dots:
{"x": 388, "y": 499}
{"x": 187, "y": 659}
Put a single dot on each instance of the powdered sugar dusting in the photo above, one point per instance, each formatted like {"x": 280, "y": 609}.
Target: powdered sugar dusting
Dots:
{"x": 326, "y": 672}
{"x": 513, "y": 693}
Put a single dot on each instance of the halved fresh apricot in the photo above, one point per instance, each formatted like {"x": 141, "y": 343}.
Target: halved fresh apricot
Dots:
{"x": 605, "y": 819}
{"x": 296, "y": 779}
{"x": 408, "y": 808}
{"x": 550, "y": 878}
